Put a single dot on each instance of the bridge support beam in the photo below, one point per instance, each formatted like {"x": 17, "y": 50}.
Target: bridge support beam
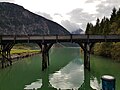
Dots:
{"x": 87, "y": 56}
{"x": 45, "y": 54}
{"x": 5, "y": 53}
{"x": 86, "y": 48}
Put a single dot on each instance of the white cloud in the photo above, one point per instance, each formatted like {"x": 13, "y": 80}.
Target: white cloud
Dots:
{"x": 7, "y": 1}
{"x": 78, "y": 16}
{"x": 70, "y": 25}
{"x": 44, "y": 15}
{"x": 50, "y": 6}
{"x": 80, "y": 11}
{"x": 58, "y": 17}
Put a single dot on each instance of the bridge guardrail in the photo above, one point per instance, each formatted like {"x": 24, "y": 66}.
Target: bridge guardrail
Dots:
{"x": 67, "y": 38}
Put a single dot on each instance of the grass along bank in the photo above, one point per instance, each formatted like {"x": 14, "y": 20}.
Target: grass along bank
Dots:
{"x": 21, "y": 53}
{"x": 24, "y": 50}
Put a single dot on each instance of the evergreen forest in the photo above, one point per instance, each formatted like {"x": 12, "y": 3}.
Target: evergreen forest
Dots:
{"x": 104, "y": 27}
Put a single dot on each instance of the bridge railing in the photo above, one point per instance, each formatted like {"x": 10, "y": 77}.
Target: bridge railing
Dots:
{"x": 95, "y": 38}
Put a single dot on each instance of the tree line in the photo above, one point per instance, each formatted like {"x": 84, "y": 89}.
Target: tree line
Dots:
{"x": 106, "y": 26}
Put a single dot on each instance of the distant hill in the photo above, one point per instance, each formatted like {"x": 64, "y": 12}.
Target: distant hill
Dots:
{"x": 15, "y": 20}
{"x": 78, "y": 31}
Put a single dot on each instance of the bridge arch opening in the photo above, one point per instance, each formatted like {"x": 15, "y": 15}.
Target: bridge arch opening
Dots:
{"x": 11, "y": 50}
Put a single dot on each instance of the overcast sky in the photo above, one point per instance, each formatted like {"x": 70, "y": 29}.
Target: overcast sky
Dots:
{"x": 72, "y": 14}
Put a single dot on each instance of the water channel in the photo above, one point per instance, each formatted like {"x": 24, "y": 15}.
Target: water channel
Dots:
{"x": 66, "y": 72}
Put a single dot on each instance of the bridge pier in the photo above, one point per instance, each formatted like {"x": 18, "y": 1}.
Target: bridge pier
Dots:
{"x": 87, "y": 56}
{"x": 5, "y": 53}
{"x": 45, "y": 54}
{"x": 86, "y": 48}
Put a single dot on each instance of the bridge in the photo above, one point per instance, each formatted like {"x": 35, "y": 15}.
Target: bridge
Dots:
{"x": 45, "y": 42}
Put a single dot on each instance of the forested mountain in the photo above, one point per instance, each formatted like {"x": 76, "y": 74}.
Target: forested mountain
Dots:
{"x": 15, "y": 20}
{"x": 107, "y": 26}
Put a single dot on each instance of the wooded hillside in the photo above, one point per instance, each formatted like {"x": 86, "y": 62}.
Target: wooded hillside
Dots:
{"x": 104, "y": 27}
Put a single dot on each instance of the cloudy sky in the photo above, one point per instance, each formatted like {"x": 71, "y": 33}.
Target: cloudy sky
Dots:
{"x": 72, "y": 14}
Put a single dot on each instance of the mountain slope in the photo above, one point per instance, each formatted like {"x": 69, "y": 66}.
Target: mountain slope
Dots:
{"x": 15, "y": 20}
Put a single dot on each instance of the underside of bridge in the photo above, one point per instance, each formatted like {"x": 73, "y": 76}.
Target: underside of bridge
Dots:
{"x": 6, "y": 57}
{"x": 45, "y": 53}
{"x": 86, "y": 42}
{"x": 45, "y": 47}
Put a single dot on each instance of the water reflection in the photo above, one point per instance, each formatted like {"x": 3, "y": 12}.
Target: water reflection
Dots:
{"x": 69, "y": 77}
{"x": 63, "y": 73}
{"x": 95, "y": 84}
{"x": 34, "y": 85}
{"x": 72, "y": 77}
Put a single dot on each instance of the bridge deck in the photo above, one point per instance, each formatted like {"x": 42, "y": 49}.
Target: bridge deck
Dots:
{"x": 61, "y": 38}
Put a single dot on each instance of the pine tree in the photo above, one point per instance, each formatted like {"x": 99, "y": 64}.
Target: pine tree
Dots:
{"x": 87, "y": 28}
{"x": 118, "y": 18}
{"x": 118, "y": 13}
{"x": 97, "y": 26}
{"x": 113, "y": 15}
{"x": 102, "y": 24}
{"x": 107, "y": 26}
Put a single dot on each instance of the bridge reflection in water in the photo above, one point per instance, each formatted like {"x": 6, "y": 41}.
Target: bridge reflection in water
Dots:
{"x": 71, "y": 77}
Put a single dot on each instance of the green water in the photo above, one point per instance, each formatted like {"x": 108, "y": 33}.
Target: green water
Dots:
{"x": 66, "y": 72}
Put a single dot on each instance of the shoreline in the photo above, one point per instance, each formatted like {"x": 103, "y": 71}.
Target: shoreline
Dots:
{"x": 15, "y": 56}
{"x": 23, "y": 55}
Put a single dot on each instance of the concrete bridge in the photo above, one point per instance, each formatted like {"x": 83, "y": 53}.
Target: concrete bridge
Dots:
{"x": 45, "y": 42}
